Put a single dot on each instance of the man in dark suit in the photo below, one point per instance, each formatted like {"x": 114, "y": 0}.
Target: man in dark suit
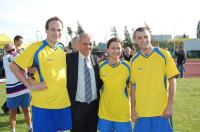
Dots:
{"x": 83, "y": 85}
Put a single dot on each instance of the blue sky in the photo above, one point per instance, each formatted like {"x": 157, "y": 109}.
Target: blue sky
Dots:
{"x": 28, "y": 17}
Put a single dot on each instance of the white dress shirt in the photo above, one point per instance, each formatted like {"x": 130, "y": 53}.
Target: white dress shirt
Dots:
{"x": 80, "y": 94}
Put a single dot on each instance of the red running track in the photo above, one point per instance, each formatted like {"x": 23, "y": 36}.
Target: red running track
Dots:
{"x": 192, "y": 68}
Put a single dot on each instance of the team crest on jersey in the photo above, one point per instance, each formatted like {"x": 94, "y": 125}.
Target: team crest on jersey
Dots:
{"x": 140, "y": 68}
{"x": 103, "y": 75}
{"x": 49, "y": 59}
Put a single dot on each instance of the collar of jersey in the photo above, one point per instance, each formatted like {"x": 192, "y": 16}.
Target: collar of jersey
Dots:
{"x": 113, "y": 65}
{"x": 147, "y": 55}
{"x": 54, "y": 47}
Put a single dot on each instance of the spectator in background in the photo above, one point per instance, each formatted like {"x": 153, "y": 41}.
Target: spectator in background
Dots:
{"x": 133, "y": 51}
{"x": 181, "y": 59}
{"x": 18, "y": 42}
{"x": 75, "y": 43}
{"x": 2, "y": 71}
{"x": 127, "y": 55}
{"x": 17, "y": 93}
{"x": 17, "y": 45}
{"x": 101, "y": 57}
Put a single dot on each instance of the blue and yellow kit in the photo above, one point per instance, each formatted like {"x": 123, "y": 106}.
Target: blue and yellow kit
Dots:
{"x": 114, "y": 101}
{"x": 51, "y": 69}
{"x": 150, "y": 74}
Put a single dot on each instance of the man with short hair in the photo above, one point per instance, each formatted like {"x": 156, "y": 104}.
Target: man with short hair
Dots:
{"x": 18, "y": 42}
{"x": 153, "y": 73}
{"x": 181, "y": 59}
{"x": 75, "y": 43}
{"x": 50, "y": 102}
{"x": 83, "y": 85}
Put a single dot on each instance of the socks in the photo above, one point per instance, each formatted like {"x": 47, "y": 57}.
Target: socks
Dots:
{"x": 30, "y": 126}
{"x": 13, "y": 130}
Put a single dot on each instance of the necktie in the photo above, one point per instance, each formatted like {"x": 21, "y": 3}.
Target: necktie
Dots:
{"x": 88, "y": 89}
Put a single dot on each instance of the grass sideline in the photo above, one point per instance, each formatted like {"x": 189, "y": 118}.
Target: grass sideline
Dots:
{"x": 186, "y": 110}
{"x": 193, "y": 58}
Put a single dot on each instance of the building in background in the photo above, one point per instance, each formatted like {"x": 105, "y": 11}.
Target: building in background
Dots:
{"x": 192, "y": 47}
{"x": 161, "y": 37}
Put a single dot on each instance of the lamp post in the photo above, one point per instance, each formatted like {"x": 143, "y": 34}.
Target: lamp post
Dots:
{"x": 41, "y": 36}
{"x": 37, "y": 35}
{"x": 178, "y": 20}
{"x": 174, "y": 37}
{"x": 174, "y": 44}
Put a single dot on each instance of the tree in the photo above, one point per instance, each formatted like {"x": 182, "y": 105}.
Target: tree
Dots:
{"x": 94, "y": 44}
{"x": 69, "y": 31}
{"x": 132, "y": 31}
{"x": 184, "y": 35}
{"x": 147, "y": 26}
{"x": 198, "y": 30}
{"x": 114, "y": 32}
{"x": 127, "y": 38}
{"x": 80, "y": 29}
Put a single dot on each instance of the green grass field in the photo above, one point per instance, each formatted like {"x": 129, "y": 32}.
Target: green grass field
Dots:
{"x": 186, "y": 110}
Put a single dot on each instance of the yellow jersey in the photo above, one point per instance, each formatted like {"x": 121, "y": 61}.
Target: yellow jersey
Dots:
{"x": 51, "y": 69}
{"x": 150, "y": 74}
{"x": 114, "y": 100}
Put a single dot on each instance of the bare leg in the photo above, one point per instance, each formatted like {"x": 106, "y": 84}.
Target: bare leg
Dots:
{"x": 27, "y": 115}
{"x": 12, "y": 117}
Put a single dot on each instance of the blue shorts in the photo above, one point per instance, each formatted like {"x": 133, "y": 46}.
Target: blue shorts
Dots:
{"x": 155, "y": 124}
{"x": 51, "y": 120}
{"x": 113, "y": 126}
{"x": 21, "y": 100}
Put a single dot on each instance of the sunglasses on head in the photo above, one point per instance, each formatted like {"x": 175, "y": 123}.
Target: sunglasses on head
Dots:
{"x": 9, "y": 51}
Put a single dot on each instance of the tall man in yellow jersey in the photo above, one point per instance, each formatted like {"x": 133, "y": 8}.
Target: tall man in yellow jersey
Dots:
{"x": 50, "y": 101}
{"x": 152, "y": 75}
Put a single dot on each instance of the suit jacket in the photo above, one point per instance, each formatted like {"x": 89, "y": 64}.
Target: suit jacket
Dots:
{"x": 72, "y": 75}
